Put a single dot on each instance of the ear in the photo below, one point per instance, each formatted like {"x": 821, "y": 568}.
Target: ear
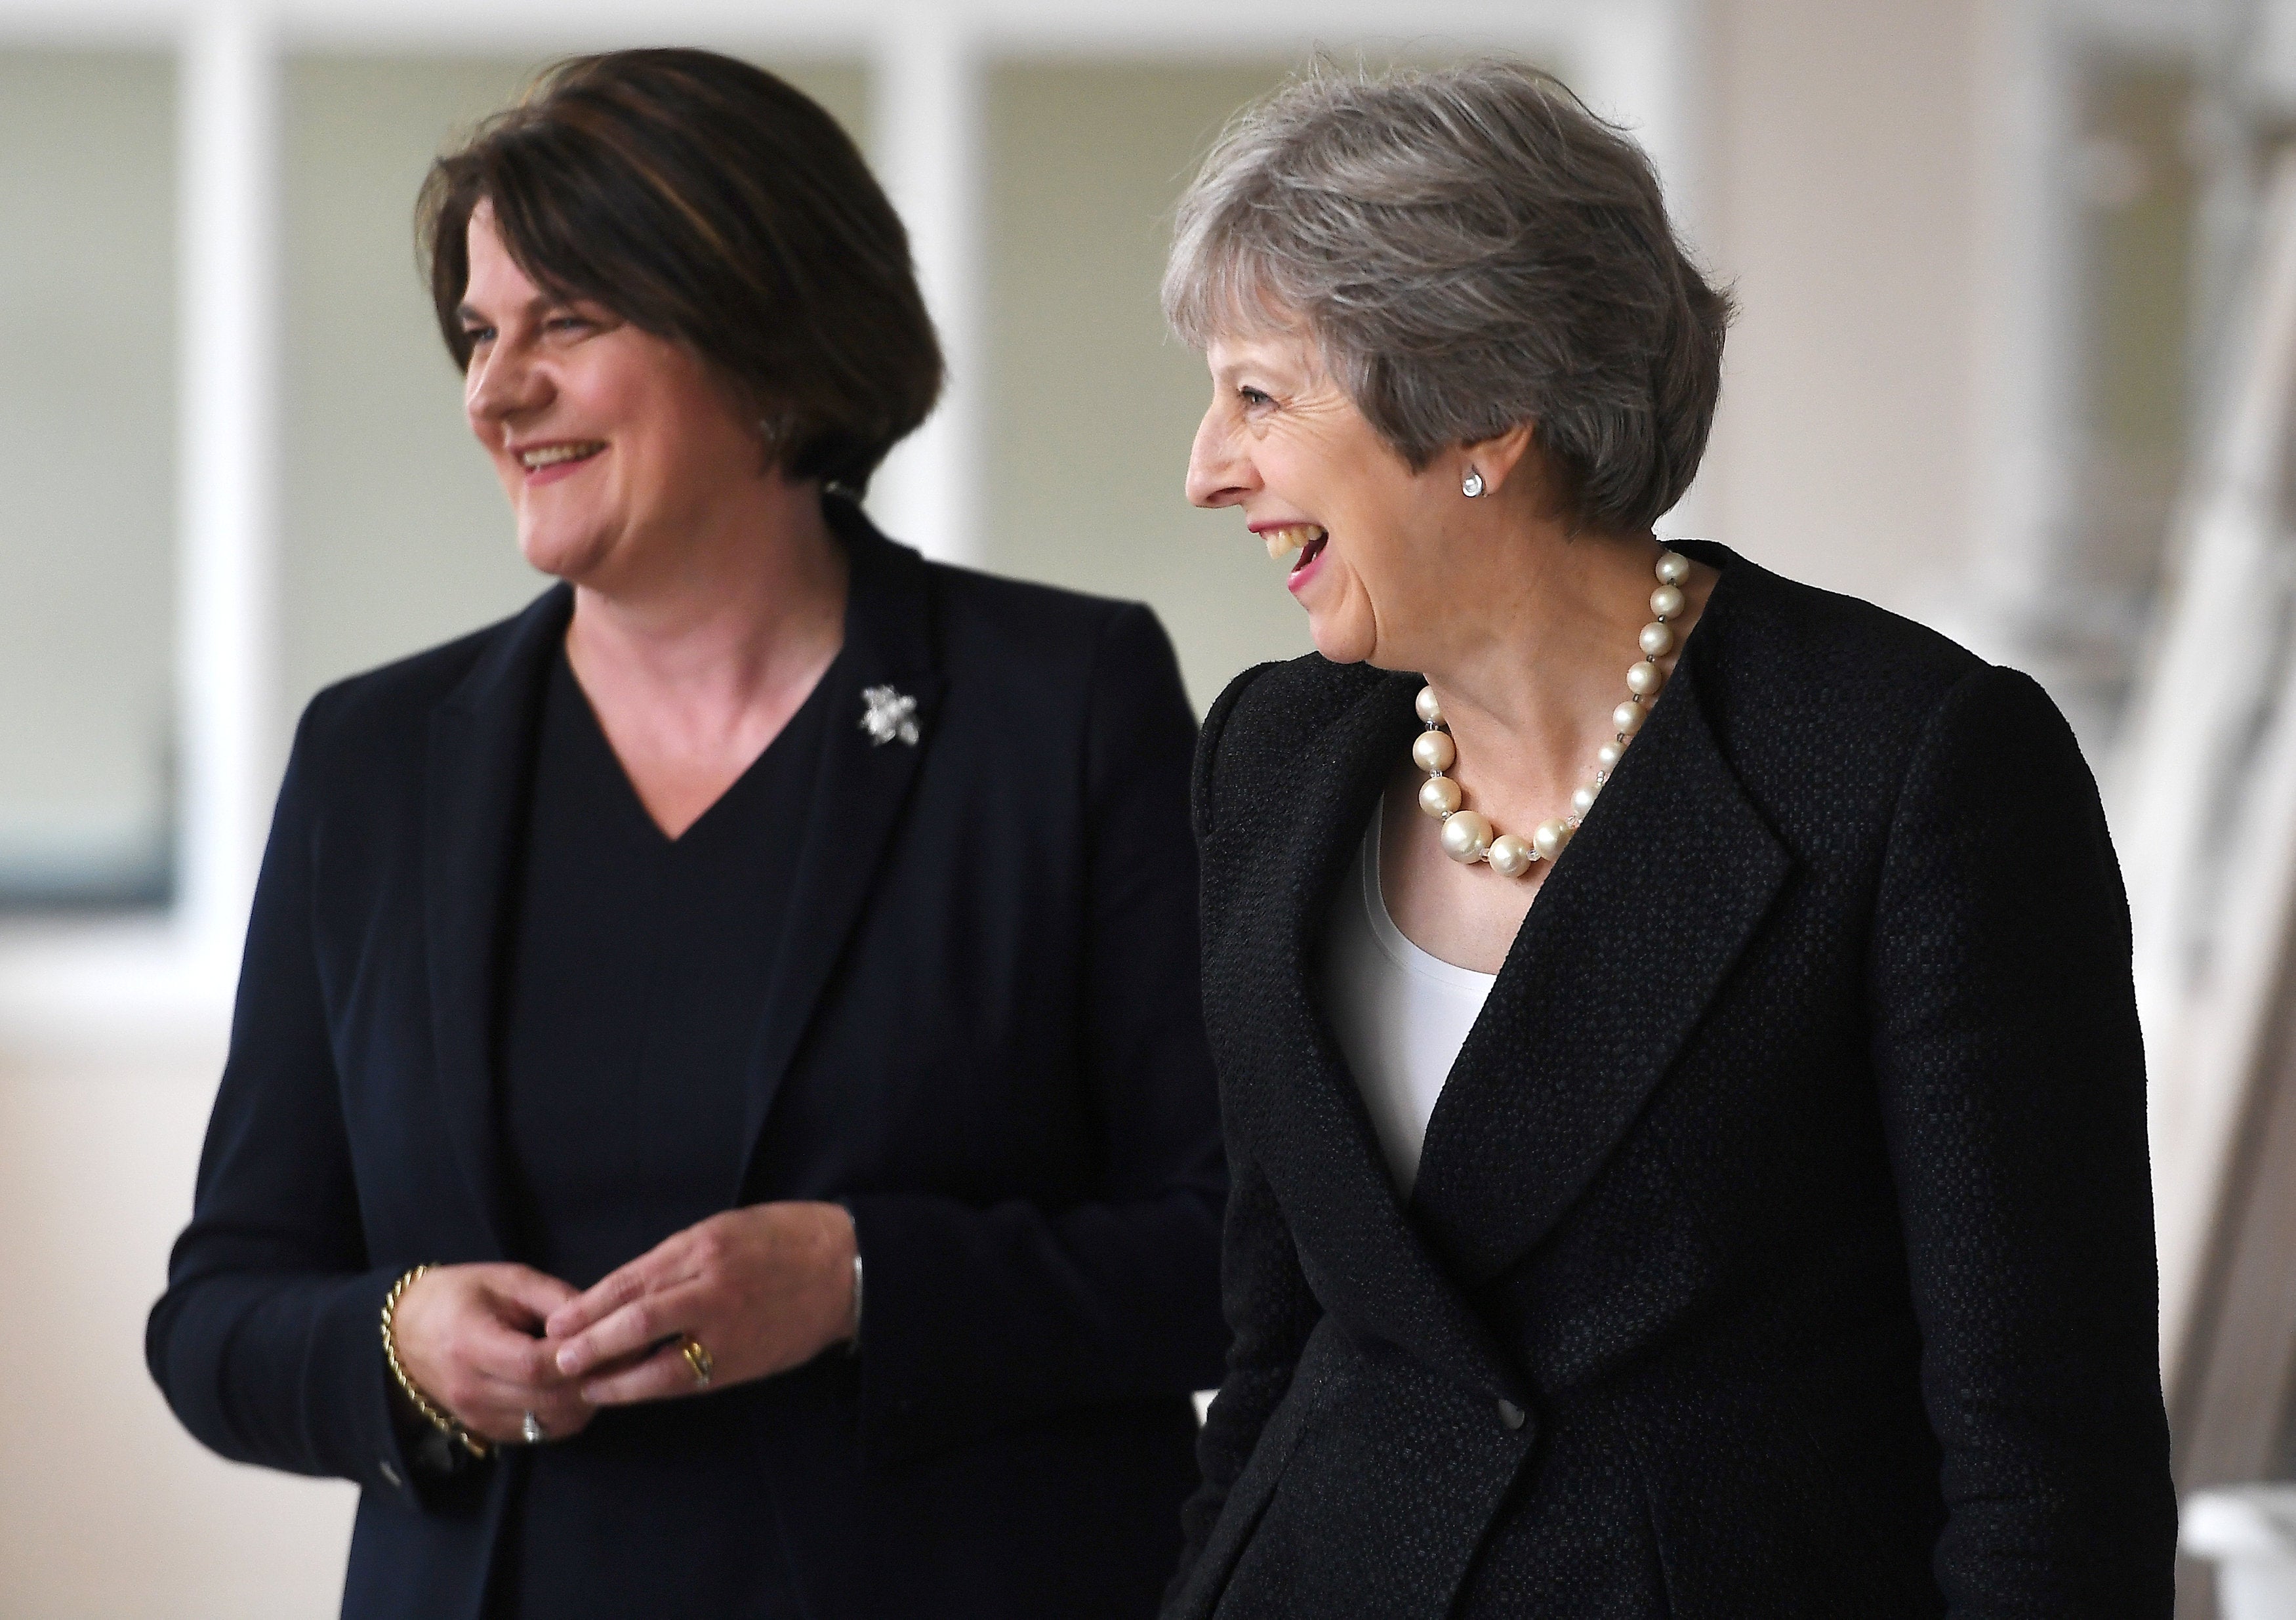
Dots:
{"x": 1510, "y": 455}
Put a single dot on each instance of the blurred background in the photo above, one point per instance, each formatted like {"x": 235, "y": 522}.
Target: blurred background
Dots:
{"x": 2017, "y": 358}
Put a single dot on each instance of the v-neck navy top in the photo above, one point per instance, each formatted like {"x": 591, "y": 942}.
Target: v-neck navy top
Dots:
{"x": 633, "y": 1006}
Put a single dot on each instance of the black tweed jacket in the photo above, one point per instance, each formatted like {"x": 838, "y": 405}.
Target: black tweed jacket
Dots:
{"x": 1783, "y": 1243}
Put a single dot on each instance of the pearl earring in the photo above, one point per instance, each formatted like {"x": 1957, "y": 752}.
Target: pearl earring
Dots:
{"x": 1472, "y": 485}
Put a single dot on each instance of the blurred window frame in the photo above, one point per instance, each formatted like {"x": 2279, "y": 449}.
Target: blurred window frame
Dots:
{"x": 167, "y": 970}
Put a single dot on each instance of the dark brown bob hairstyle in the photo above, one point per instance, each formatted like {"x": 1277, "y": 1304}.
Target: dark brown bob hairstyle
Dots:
{"x": 704, "y": 201}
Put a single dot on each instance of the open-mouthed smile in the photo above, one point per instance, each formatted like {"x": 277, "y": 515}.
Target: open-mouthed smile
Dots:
{"x": 541, "y": 460}
{"x": 1306, "y": 538}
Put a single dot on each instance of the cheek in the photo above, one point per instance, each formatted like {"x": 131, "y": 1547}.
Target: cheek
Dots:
{"x": 674, "y": 427}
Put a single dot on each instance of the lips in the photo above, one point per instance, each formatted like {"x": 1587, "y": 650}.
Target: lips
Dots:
{"x": 540, "y": 457}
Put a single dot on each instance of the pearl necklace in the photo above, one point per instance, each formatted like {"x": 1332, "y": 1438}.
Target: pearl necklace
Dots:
{"x": 1468, "y": 837}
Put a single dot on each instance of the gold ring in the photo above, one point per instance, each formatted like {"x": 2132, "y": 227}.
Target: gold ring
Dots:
{"x": 698, "y": 1358}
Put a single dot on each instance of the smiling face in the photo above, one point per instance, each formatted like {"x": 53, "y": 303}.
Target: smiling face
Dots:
{"x": 1283, "y": 441}
{"x": 611, "y": 443}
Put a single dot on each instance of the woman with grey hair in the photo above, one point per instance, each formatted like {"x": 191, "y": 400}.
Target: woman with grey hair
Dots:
{"x": 1681, "y": 1074}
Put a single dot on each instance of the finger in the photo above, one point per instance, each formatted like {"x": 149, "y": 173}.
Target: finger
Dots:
{"x": 616, "y": 1364}
{"x": 663, "y": 1375}
{"x": 563, "y": 1414}
{"x": 617, "y": 1289}
{"x": 557, "y": 1405}
{"x": 506, "y": 1425}
{"x": 499, "y": 1412}
{"x": 638, "y": 1326}
{"x": 578, "y": 1419}
{"x": 533, "y": 1294}
{"x": 502, "y": 1354}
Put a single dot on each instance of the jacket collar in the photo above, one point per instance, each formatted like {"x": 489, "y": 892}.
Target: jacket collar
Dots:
{"x": 480, "y": 757}
{"x": 1631, "y": 936}
{"x": 1300, "y": 1115}
{"x": 1630, "y": 939}
{"x": 860, "y": 790}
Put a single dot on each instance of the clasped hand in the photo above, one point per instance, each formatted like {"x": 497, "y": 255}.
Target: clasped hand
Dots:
{"x": 766, "y": 1289}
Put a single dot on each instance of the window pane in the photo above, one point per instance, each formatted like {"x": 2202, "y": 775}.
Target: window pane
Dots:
{"x": 88, "y": 457}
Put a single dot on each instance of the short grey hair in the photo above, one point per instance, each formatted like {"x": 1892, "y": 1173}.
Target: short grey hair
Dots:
{"x": 1470, "y": 248}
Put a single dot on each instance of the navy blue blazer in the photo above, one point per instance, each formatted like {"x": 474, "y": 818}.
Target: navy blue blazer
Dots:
{"x": 983, "y": 1035}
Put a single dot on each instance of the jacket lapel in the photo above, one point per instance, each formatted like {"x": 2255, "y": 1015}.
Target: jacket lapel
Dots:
{"x": 1631, "y": 937}
{"x": 481, "y": 743}
{"x": 862, "y": 786}
{"x": 1307, "y": 1121}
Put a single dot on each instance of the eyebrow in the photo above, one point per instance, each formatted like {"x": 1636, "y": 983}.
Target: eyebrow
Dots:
{"x": 539, "y": 302}
{"x": 1236, "y": 373}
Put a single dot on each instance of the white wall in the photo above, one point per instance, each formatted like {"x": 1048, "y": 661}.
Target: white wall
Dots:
{"x": 1843, "y": 192}
{"x": 107, "y": 1510}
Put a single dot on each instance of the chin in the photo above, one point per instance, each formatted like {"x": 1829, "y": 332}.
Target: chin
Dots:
{"x": 562, "y": 556}
{"x": 1339, "y": 643}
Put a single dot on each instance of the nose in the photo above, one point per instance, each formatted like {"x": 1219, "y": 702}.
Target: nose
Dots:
{"x": 1219, "y": 473}
{"x": 503, "y": 384}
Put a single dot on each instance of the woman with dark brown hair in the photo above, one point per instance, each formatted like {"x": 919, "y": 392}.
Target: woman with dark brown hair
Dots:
{"x": 734, "y": 1026}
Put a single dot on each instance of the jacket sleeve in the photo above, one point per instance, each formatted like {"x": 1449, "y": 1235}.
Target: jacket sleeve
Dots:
{"x": 1270, "y": 1309}
{"x": 978, "y": 1318}
{"x": 265, "y": 1343}
{"x": 2012, "y": 1091}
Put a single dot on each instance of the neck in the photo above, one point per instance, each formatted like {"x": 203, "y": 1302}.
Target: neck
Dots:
{"x": 1529, "y": 677}
{"x": 752, "y": 601}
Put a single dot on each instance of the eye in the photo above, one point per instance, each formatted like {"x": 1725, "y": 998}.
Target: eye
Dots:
{"x": 1253, "y": 398}
{"x": 476, "y": 335}
{"x": 568, "y": 323}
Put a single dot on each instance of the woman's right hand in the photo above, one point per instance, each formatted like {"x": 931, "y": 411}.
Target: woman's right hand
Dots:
{"x": 471, "y": 1337}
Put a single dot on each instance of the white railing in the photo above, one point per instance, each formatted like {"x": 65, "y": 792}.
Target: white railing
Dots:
{"x": 2205, "y": 806}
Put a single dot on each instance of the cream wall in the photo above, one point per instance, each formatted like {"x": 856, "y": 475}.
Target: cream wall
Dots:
{"x": 1842, "y": 197}
{"x": 108, "y": 1510}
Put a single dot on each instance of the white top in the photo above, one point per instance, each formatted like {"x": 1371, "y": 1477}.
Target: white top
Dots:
{"x": 1401, "y": 1015}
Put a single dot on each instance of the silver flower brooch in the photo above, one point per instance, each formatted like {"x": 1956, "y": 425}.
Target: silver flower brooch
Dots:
{"x": 887, "y": 715}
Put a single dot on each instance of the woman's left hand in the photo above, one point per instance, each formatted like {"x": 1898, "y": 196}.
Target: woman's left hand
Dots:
{"x": 763, "y": 1289}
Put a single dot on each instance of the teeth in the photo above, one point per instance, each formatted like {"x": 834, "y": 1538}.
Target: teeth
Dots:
{"x": 550, "y": 455}
{"x": 1293, "y": 536}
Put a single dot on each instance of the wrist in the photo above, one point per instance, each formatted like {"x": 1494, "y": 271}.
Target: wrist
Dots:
{"x": 405, "y": 1391}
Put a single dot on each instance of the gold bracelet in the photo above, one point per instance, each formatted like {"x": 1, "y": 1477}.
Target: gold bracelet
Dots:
{"x": 440, "y": 1420}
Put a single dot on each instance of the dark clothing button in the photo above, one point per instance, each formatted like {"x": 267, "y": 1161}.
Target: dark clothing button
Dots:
{"x": 1511, "y": 1415}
